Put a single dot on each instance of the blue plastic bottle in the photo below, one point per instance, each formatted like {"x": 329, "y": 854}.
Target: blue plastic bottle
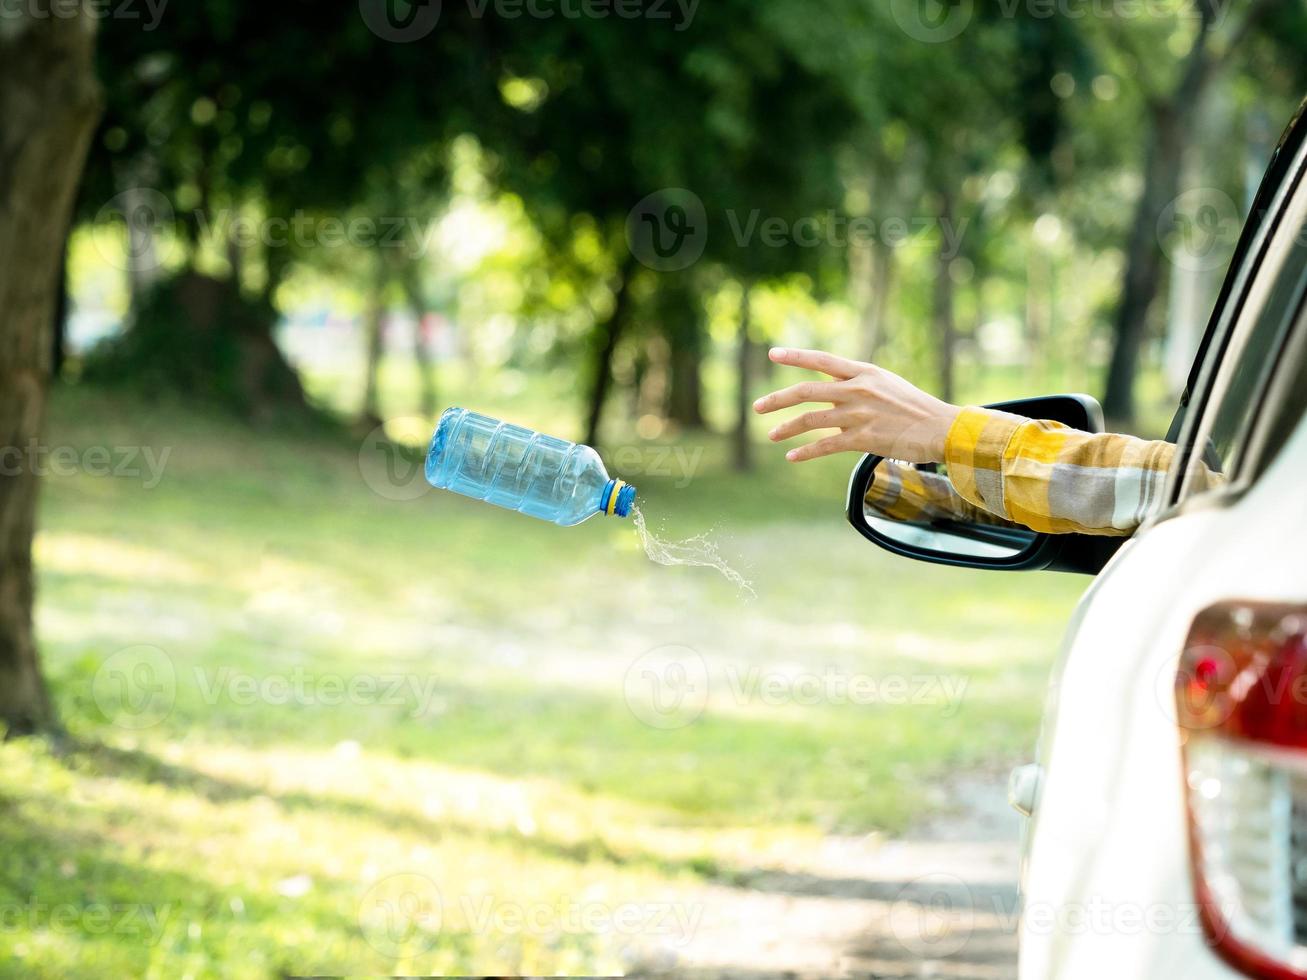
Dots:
{"x": 515, "y": 468}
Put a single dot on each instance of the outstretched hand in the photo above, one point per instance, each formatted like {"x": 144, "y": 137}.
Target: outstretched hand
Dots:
{"x": 875, "y": 410}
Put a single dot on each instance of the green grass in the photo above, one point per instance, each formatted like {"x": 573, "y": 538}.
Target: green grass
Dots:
{"x": 247, "y": 824}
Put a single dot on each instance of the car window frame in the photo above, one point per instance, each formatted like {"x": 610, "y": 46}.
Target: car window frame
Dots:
{"x": 1287, "y": 236}
{"x": 1232, "y": 323}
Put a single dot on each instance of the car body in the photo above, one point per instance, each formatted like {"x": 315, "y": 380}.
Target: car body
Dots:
{"x": 1167, "y": 832}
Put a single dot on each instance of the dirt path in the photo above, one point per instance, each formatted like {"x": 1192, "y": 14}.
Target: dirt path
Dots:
{"x": 941, "y": 904}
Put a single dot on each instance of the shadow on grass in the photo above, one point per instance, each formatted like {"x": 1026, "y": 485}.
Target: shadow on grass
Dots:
{"x": 71, "y": 882}
{"x": 141, "y": 766}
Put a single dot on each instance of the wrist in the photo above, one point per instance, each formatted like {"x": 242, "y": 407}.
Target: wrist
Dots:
{"x": 938, "y": 447}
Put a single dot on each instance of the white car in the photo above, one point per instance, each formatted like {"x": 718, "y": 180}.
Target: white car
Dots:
{"x": 1168, "y": 800}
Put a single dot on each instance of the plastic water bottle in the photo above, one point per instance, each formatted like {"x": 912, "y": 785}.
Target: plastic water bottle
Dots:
{"x": 515, "y": 468}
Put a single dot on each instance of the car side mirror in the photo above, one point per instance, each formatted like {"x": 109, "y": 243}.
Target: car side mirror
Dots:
{"x": 972, "y": 539}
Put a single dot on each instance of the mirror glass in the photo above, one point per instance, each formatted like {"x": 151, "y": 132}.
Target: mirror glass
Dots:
{"x": 917, "y": 507}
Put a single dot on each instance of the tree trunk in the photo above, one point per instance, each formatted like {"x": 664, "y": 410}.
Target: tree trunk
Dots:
{"x": 62, "y": 308}
{"x": 942, "y": 305}
{"x": 1171, "y": 119}
{"x": 681, "y": 316}
{"x": 421, "y": 352}
{"x": 874, "y": 325}
{"x": 606, "y": 339}
{"x": 742, "y": 456}
{"x": 49, "y": 102}
{"x": 1143, "y": 260}
{"x": 374, "y": 327}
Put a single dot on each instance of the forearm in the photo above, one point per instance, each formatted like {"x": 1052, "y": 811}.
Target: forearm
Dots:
{"x": 1055, "y": 479}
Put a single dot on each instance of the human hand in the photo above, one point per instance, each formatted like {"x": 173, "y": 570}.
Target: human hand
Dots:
{"x": 875, "y": 410}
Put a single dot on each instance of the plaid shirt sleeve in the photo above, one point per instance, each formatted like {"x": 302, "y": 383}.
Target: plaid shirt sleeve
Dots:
{"x": 1004, "y": 469}
{"x": 905, "y": 493}
{"x": 1055, "y": 479}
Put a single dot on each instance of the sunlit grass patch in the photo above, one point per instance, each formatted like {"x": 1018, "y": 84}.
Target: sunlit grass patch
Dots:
{"x": 284, "y": 689}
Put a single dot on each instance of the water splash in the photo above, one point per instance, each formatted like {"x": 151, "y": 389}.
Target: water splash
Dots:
{"x": 698, "y": 550}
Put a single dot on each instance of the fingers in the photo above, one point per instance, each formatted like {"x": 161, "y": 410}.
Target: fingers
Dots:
{"x": 822, "y": 447}
{"x": 806, "y": 391}
{"x": 828, "y": 419}
{"x": 816, "y": 360}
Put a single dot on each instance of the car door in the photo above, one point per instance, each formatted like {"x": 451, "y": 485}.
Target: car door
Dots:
{"x": 1109, "y": 883}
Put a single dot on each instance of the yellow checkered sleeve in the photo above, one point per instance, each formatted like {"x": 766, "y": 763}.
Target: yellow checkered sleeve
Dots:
{"x": 1005, "y": 469}
{"x": 1052, "y": 478}
{"x": 912, "y": 496}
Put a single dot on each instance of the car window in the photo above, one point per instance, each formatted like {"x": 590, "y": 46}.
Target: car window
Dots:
{"x": 1291, "y": 409}
{"x": 1252, "y": 357}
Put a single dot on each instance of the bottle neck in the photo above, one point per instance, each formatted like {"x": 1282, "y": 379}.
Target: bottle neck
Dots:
{"x": 617, "y": 498}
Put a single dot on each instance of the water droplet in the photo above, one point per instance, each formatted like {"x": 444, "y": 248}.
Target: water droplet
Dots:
{"x": 698, "y": 550}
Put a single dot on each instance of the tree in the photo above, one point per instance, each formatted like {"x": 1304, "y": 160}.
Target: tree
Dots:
{"x": 1171, "y": 109}
{"x": 607, "y": 114}
{"x": 233, "y": 112}
{"x": 49, "y": 101}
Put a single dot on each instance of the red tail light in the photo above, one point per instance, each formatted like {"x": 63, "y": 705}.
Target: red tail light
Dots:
{"x": 1241, "y": 700}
